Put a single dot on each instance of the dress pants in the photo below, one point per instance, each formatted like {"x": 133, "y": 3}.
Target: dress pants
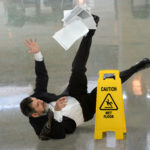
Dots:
{"x": 78, "y": 81}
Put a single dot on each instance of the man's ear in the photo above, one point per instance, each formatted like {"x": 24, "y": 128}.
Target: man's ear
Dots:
{"x": 35, "y": 115}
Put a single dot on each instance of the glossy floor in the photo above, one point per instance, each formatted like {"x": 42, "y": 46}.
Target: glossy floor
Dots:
{"x": 122, "y": 39}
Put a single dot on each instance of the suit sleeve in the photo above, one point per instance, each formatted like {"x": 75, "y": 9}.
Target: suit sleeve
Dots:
{"x": 41, "y": 77}
{"x": 55, "y": 130}
{"x": 58, "y": 130}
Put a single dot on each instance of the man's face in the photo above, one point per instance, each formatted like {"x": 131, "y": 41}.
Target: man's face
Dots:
{"x": 39, "y": 106}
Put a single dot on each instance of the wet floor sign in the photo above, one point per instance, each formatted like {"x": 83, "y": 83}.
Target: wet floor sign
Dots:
{"x": 109, "y": 105}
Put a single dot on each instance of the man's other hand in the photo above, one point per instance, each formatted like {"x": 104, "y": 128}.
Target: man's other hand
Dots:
{"x": 60, "y": 103}
{"x": 32, "y": 45}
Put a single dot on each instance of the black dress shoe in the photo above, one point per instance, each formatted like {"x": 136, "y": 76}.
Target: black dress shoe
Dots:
{"x": 96, "y": 19}
{"x": 143, "y": 64}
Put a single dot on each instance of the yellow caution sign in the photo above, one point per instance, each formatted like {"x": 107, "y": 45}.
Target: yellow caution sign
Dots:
{"x": 109, "y": 106}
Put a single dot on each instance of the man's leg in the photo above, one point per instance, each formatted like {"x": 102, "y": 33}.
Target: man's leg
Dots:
{"x": 78, "y": 80}
{"x": 143, "y": 64}
{"x": 124, "y": 75}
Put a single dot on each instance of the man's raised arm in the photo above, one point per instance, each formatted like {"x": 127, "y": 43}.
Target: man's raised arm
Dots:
{"x": 40, "y": 69}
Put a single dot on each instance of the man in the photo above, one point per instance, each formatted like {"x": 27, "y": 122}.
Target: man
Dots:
{"x": 54, "y": 116}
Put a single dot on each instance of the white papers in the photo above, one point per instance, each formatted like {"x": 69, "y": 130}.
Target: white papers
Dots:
{"x": 71, "y": 33}
{"x": 73, "y": 13}
{"x": 79, "y": 13}
{"x": 89, "y": 22}
{"x": 77, "y": 23}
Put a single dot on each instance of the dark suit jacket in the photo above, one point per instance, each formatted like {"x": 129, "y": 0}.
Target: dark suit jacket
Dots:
{"x": 58, "y": 129}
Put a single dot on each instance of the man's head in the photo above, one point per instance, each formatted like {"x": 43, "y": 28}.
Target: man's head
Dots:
{"x": 32, "y": 107}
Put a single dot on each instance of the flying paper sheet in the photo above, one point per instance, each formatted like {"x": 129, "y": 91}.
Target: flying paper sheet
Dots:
{"x": 79, "y": 13}
{"x": 71, "y": 33}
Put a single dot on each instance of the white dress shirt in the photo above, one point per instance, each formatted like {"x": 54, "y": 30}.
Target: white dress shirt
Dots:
{"x": 72, "y": 110}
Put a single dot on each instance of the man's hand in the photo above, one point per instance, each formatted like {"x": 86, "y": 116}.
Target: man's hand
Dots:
{"x": 32, "y": 45}
{"x": 60, "y": 103}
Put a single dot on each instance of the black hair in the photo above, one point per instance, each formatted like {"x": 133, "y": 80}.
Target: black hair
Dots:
{"x": 26, "y": 108}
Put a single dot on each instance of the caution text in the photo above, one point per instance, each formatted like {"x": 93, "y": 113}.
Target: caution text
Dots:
{"x": 108, "y": 89}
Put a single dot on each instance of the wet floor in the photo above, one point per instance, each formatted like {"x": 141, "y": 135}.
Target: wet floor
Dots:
{"x": 121, "y": 40}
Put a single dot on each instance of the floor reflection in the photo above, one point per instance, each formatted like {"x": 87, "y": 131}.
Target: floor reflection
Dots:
{"x": 17, "y": 13}
{"x": 10, "y": 96}
{"x": 140, "y": 9}
{"x": 137, "y": 85}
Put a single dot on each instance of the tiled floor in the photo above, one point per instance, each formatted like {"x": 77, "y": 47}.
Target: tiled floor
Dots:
{"x": 122, "y": 39}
